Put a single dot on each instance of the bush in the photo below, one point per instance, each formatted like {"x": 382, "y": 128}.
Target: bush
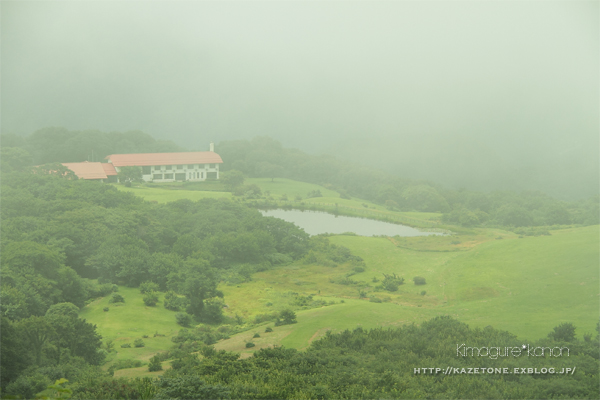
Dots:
{"x": 150, "y": 299}
{"x": 126, "y": 345}
{"x": 391, "y": 282}
{"x": 116, "y": 298}
{"x": 423, "y": 293}
{"x": 286, "y": 317}
{"x": 128, "y": 363}
{"x": 138, "y": 343}
{"x": 212, "y": 312}
{"x": 358, "y": 270}
{"x": 183, "y": 319}
{"x": 148, "y": 286}
{"x": 155, "y": 364}
{"x": 375, "y": 300}
{"x": 269, "y": 329}
{"x": 250, "y": 344}
{"x": 419, "y": 280}
{"x": 256, "y": 335}
{"x": 173, "y": 302}
{"x": 105, "y": 309}
{"x": 564, "y": 332}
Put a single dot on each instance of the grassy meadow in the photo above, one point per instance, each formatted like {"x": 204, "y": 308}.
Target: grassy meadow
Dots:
{"x": 525, "y": 285}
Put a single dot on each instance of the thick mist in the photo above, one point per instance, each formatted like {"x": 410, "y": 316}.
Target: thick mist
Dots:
{"x": 482, "y": 95}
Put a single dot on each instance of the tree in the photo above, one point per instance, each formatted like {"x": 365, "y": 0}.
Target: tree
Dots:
{"x": 14, "y": 158}
{"x": 232, "y": 179}
{"x": 148, "y": 286}
{"x": 150, "y": 299}
{"x": 564, "y": 332}
{"x": 130, "y": 174}
{"x": 286, "y": 317}
{"x": 213, "y": 310}
{"x": 37, "y": 331}
{"x": 268, "y": 170}
{"x": 391, "y": 282}
{"x": 155, "y": 364}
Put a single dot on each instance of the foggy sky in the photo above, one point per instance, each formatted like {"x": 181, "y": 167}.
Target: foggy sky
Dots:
{"x": 483, "y": 95}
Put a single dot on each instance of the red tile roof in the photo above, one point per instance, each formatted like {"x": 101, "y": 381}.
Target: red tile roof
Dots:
{"x": 148, "y": 159}
{"x": 88, "y": 170}
{"x": 109, "y": 169}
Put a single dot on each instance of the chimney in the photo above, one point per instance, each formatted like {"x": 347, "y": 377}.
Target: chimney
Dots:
{"x": 212, "y": 146}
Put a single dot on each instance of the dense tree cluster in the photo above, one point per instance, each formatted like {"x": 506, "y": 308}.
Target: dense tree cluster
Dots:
{"x": 374, "y": 364}
{"x": 265, "y": 157}
{"x": 51, "y": 145}
{"x": 65, "y": 241}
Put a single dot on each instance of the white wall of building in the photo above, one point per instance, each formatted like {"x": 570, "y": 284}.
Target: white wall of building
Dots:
{"x": 174, "y": 173}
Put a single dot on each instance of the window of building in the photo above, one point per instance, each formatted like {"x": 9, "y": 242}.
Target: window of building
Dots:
{"x": 180, "y": 167}
{"x": 212, "y": 165}
{"x": 157, "y": 176}
{"x": 146, "y": 170}
{"x": 168, "y": 176}
{"x": 157, "y": 168}
{"x": 190, "y": 166}
{"x": 202, "y": 175}
{"x": 168, "y": 167}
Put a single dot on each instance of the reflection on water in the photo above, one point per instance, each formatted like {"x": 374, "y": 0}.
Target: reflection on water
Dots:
{"x": 316, "y": 222}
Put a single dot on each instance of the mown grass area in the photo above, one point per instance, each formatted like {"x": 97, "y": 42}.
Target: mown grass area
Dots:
{"x": 166, "y": 194}
{"x": 273, "y": 190}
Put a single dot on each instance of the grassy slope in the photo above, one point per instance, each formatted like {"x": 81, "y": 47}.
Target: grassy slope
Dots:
{"x": 526, "y": 286}
{"x": 164, "y": 193}
{"x": 125, "y": 322}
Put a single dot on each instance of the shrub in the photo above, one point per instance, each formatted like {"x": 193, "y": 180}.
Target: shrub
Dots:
{"x": 138, "y": 343}
{"x": 126, "y": 345}
{"x": 250, "y": 344}
{"x": 183, "y": 319}
{"x": 423, "y": 293}
{"x": 148, "y": 286}
{"x": 150, "y": 299}
{"x": 358, "y": 270}
{"x": 419, "y": 280}
{"x": 375, "y": 300}
{"x": 145, "y": 336}
{"x": 105, "y": 309}
{"x": 173, "y": 302}
{"x": 116, "y": 298}
{"x": 128, "y": 363}
{"x": 391, "y": 282}
{"x": 256, "y": 335}
{"x": 269, "y": 329}
{"x": 155, "y": 364}
{"x": 286, "y": 317}
{"x": 564, "y": 332}
{"x": 212, "y": 312}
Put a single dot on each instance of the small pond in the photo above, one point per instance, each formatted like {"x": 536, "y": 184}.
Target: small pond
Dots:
{"x": 316, "y": 222}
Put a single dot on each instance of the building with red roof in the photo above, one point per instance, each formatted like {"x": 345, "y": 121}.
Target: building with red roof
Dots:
{"x": 171, "y": 167}
{"x": 93, "y": 170}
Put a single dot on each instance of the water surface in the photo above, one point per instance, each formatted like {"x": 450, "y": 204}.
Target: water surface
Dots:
{"x": 316, "y": 222}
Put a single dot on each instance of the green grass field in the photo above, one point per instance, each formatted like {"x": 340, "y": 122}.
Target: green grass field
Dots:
{"x": 273, "y": 190}
{"x": 481, "y": 277}
{"x": 131, "y": 320}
